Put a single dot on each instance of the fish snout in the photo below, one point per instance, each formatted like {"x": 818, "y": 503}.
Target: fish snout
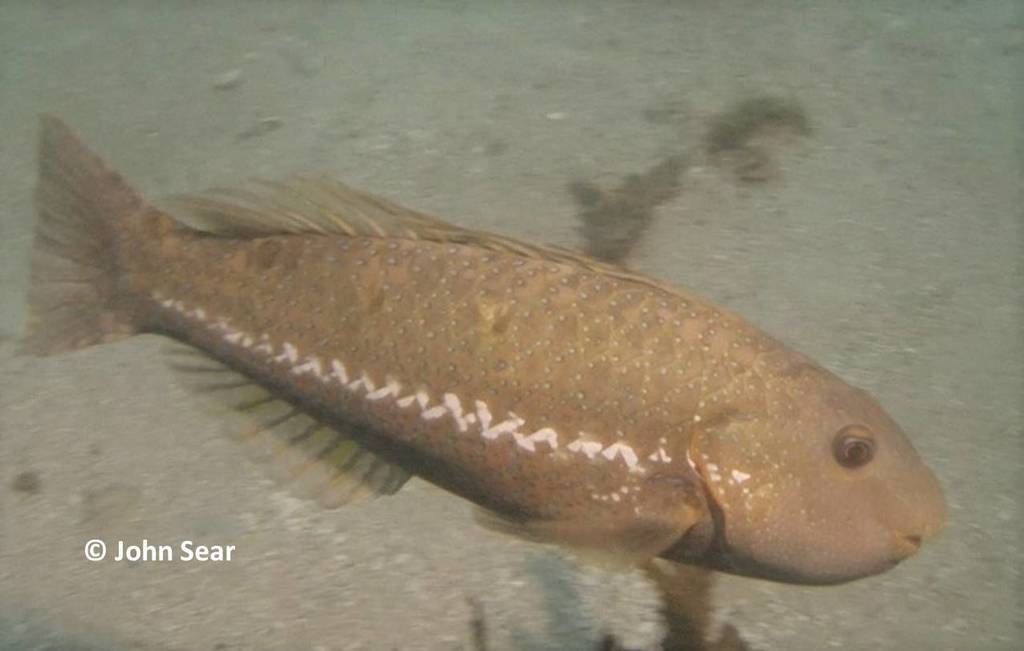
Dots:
{"x": 932, "y": 518}
{"x": 925, "y": 520}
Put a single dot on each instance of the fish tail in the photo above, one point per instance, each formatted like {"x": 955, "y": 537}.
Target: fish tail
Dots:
{"x": 86, "y": 218}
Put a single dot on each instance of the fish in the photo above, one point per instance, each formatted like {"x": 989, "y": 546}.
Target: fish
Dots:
{"x": 574, "y": 402}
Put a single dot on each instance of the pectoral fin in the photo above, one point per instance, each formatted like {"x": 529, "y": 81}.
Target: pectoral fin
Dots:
{"x": 314, "y": 459}
{"x": 662, "y": 515}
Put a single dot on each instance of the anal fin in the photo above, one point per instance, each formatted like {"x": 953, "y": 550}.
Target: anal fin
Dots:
{"x": 314, "y": 459}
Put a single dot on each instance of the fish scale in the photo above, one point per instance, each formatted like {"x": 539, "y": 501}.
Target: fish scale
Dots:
{"x": 536, "y": 367}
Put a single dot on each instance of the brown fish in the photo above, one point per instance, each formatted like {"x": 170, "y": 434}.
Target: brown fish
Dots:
{"x": 576, "y": 402}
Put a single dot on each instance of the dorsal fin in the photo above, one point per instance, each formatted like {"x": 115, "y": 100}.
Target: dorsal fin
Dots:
{"x": 326, "y": 206}
{"x": 305, "y": 205}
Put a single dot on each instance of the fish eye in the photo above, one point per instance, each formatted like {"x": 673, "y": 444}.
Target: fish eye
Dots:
{"x": 853, "y": 446}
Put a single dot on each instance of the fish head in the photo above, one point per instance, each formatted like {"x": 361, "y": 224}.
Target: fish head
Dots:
{"x": 813, "y": 483}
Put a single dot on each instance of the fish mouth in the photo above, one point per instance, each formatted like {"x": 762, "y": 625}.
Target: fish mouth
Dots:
{"x": 913, "y": 541}
{"x": 904, "y": 546}
{"x": 907, "y": 546}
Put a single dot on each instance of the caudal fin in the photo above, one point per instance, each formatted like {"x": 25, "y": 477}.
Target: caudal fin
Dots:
{"x": 81, "y": 209}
